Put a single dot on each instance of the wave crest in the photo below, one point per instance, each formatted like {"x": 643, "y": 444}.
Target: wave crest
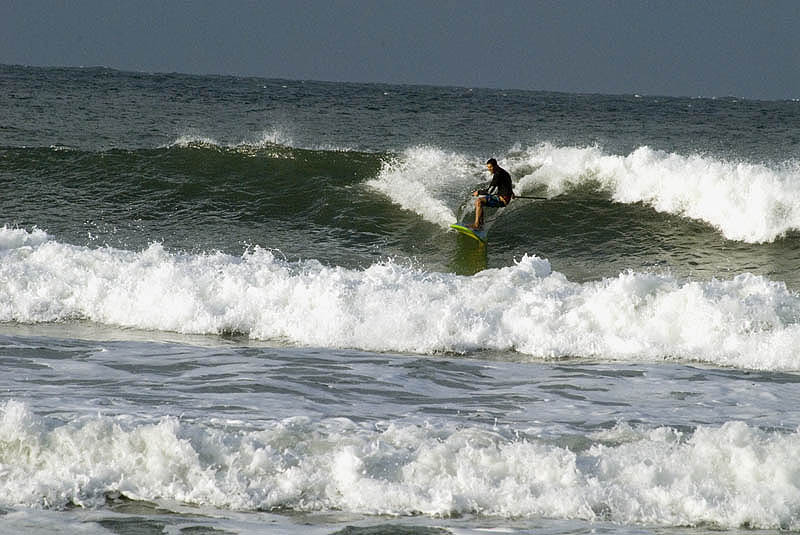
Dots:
{"x": 748, "y": 202}
{"x": 266, "y": 140}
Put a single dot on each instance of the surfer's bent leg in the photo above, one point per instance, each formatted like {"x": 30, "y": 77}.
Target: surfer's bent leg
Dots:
{"x": 492, "y": 201}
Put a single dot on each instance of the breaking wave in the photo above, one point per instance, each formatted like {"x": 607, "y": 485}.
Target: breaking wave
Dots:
{"x": 747, "y": 202}
{"x": 729, "y": 476}
{"x": 748, "y": 321}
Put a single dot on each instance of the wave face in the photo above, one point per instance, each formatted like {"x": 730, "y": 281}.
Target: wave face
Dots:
{"x": 748, "y": 321}
{"x": 196, "y": 195}
{"x": 730, "y": 476}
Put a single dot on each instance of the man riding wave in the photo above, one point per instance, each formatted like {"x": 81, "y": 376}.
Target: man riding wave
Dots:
{"x": 498, "y": 195}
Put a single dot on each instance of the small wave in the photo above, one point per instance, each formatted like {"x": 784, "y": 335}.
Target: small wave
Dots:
{"x": 748, "y": 321}
{"x": 730, "y": 476}
{"x": 748, "y": 202}
{"x": 272, "y": 145}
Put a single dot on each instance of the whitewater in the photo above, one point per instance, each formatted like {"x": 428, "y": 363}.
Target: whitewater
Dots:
{"x": 748, "y": 321}
{"x": 732, "y": 475}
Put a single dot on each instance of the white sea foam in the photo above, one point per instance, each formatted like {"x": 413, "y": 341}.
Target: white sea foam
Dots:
{"x": 748, "y": 321}
{"x": 13, "y": 238}
{"x": 733, "y": 475}
{"x": 745, "y": 201}
{"x": 273, "y": 137}
{"x": 420, "y": 178}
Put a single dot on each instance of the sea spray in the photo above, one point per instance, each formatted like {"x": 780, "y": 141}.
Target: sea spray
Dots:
{"x": 266, "y": 140}
{"x": 424, "y": 180}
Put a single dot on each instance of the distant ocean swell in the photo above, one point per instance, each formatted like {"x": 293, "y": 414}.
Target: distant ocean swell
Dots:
{"x": 748, "y": 321}
{"x": 729, "y": 476}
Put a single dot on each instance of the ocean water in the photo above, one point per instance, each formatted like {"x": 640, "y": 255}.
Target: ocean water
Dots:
{"x": 234, "y": 305}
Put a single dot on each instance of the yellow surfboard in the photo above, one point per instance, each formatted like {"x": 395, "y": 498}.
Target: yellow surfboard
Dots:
{"x": 479, "y": 235}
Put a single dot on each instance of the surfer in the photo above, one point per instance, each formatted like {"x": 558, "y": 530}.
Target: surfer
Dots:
{"x": 498, "y": 195}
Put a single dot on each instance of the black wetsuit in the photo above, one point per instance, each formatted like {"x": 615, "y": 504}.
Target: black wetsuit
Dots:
{"x": 501, "y": 184}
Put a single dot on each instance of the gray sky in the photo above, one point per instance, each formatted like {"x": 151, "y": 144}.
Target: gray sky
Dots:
{"x": 672, "y": 47}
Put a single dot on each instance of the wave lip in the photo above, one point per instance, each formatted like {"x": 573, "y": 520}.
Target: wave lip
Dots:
{"x": 748, "y": 321}
{"x": 748, "y": 202}
{"x": 729, "y": 476}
